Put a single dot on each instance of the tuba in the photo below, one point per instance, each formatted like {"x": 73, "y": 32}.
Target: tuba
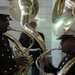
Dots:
{"x": 15, "y": 10}
{"x": 63, "y": 18}
{"x": 26, "y": 11}
{"x": 39, "y": 58}
{"x": 23, "y": 12}
{"x": 63, "y": 23}
{"x": 21, "y": 51}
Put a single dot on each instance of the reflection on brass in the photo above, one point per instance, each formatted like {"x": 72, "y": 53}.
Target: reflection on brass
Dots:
{"x": 21, "y": 52}
{"x": 23, "y": 11}
{"x": 62, "y": 17}
{"x": 22, "y": 31}
{"x": 63, "y": 71}
{"x": 15, "y": 10}
{"x": 26, "y": 10}
{"x": 67, "y": 67}
{"x": 41, "y": 56}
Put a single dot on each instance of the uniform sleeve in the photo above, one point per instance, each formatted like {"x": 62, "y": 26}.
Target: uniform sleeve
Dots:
{"x": 9, "y": 67}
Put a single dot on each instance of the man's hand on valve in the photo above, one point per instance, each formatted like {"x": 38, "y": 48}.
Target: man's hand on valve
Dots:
{"x": 21, "y": 61}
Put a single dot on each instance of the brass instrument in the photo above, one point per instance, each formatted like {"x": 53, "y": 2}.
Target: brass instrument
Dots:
{"x": 42, "y": 55}
{"x": 15, "y": 10}
{"x": 25, "y": 17}
{"x": 66, "y": 68}
{"x": 9, "y": 28}
{"x": 63, "y": 17}
{"x": 23, "y": 12}
{"x": 63, "y": 71}
{"x": 21, "y": 51}
{"x": 62, "y": 21}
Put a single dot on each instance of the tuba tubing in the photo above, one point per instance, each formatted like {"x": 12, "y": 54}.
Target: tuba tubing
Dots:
{"x": 63, "y": 17}
{"x": 63, "y": 71}
{"x": 41, "y": 56}
{"x": 25, "y": 13}
{"x": 28, "y": 9}
{"x": 21, "y": 52}
{"x": 9, "y": 28}
{"x": 67, "y": 67}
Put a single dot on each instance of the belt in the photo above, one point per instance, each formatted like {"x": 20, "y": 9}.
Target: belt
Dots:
{"x": 36, "y": 49}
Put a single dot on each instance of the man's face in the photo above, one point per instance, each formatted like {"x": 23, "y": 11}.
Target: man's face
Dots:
{"x": 68, "y": 45}
{"x": 3, "y": 25}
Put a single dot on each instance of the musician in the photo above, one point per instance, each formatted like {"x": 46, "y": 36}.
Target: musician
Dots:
{"x": 8, "y": 65}
{"x": 35, "y": 50}
{"x": 68, "y": 46}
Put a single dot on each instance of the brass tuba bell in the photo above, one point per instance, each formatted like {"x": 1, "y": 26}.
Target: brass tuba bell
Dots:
{"x": 63, "y": 19}
{"x": 63, "y": 16}
{"x": 15, "y": 10}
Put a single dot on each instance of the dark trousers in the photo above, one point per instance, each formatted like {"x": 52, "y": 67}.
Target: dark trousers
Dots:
{"x": 35, "y": 70}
